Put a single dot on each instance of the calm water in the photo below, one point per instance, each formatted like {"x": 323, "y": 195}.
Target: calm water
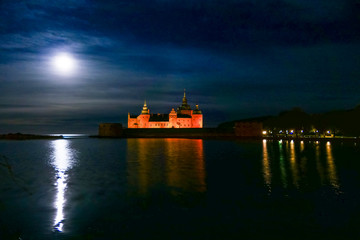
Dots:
{"x": 178, "y": 189}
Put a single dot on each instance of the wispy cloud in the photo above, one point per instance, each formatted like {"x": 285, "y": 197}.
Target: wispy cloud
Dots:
{"x": 40, "y": 40}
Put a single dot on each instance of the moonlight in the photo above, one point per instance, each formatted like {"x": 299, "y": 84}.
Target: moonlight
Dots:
{"x": 64, "y": 64}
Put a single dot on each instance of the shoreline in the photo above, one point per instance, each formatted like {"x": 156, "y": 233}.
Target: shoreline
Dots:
{"x": 198, "y": 134}
{"x": 21, "y": 136}
{"x": 210, "y": 133}
{"x": 346, "y": 139}
{"x": 320, "y": 139}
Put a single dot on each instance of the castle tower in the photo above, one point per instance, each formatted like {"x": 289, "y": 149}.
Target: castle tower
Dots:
{"x": 184, "y": 108}
{"x": 172, "y": 119}
{"x": 197, "y": 118}
{"x": 144, "y": 117}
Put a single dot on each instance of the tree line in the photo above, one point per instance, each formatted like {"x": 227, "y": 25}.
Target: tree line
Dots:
{"x": 339, "y": 122}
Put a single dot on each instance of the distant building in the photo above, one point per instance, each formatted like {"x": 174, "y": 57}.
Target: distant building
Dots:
{"x": 248, "y": 129}
{"x": 184, "y": 117}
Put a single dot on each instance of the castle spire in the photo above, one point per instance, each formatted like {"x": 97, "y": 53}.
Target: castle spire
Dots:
{"x": 184, "y": 100}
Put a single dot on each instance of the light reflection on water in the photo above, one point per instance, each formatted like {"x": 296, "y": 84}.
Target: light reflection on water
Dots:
{"x": 62, "y": 160}
{"x": 295, "y": 160}
{"x": 293, "y": 163}
{"x": 177, "y": 163}
{"x": 282, "y": 165}
{"x": 319, "y": 165}
{"x": 331, "y": 167}
{"x": 266, "y": 167}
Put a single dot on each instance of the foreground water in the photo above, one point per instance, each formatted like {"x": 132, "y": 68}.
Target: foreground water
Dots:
{"x": 178, "y": 189}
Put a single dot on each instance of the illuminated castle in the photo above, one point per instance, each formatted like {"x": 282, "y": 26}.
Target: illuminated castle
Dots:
{"x": 184, "y": 117}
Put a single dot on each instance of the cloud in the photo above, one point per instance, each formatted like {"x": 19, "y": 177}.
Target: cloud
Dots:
{"x": 235, "y": 58}
{"x": 202, "y": 24}
{"x": 39, "y": 40}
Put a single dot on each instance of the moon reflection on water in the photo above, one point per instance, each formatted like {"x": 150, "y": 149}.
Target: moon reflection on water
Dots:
{"x": 62, "y": 160}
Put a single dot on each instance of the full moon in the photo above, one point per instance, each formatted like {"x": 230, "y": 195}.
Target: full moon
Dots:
{"x": 64, "y": 64}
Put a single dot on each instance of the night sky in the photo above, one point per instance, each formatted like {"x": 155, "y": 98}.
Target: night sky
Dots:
{"x": 236, "y": 59}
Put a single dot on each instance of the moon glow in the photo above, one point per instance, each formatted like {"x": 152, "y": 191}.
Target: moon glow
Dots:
{"x": 64, "y": 64}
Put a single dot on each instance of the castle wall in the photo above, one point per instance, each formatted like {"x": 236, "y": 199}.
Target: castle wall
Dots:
{"x": 110, "y": 130}
{"x": 184, "y": 122}
{"x": 132, "y": 123}
{"x": 159, "y": 125}
{"x": 143, "y": 120}
{"x": 197, "y": 121}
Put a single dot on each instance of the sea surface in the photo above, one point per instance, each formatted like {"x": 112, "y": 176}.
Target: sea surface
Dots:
{"x": 87, "y": 188}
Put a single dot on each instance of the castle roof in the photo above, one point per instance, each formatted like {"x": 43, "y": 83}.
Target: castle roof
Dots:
{"x": 197, "y": 110}
{"x": 165, "y": 117}
{"x": 159, "y": 117}
{"x": 183, "y": 116}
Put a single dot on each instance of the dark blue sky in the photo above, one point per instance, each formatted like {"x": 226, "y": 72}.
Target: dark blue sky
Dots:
{"x": 237, "y": 59}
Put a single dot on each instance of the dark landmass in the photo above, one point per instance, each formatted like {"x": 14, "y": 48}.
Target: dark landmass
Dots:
{"x": 231, "y": 124}
{"x": 20, "y": 136}
{"x": 340, "y": 122}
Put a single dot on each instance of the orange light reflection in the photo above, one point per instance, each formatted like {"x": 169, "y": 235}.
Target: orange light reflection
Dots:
{"x": 266, "y": 167}
{"x": 177, "y": 162}
{"x": 331, "y": 167}
{"x": 293, "y": 164}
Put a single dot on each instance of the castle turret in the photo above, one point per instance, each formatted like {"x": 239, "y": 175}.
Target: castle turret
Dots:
{"x": 144, "y": 117}
{"x": 185, "y": 107}
{"x": 173, "y": 119}
{"x": 197, "y": 110}
{"x": 145, "y": 109}
{"x": 197, "y": 118}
